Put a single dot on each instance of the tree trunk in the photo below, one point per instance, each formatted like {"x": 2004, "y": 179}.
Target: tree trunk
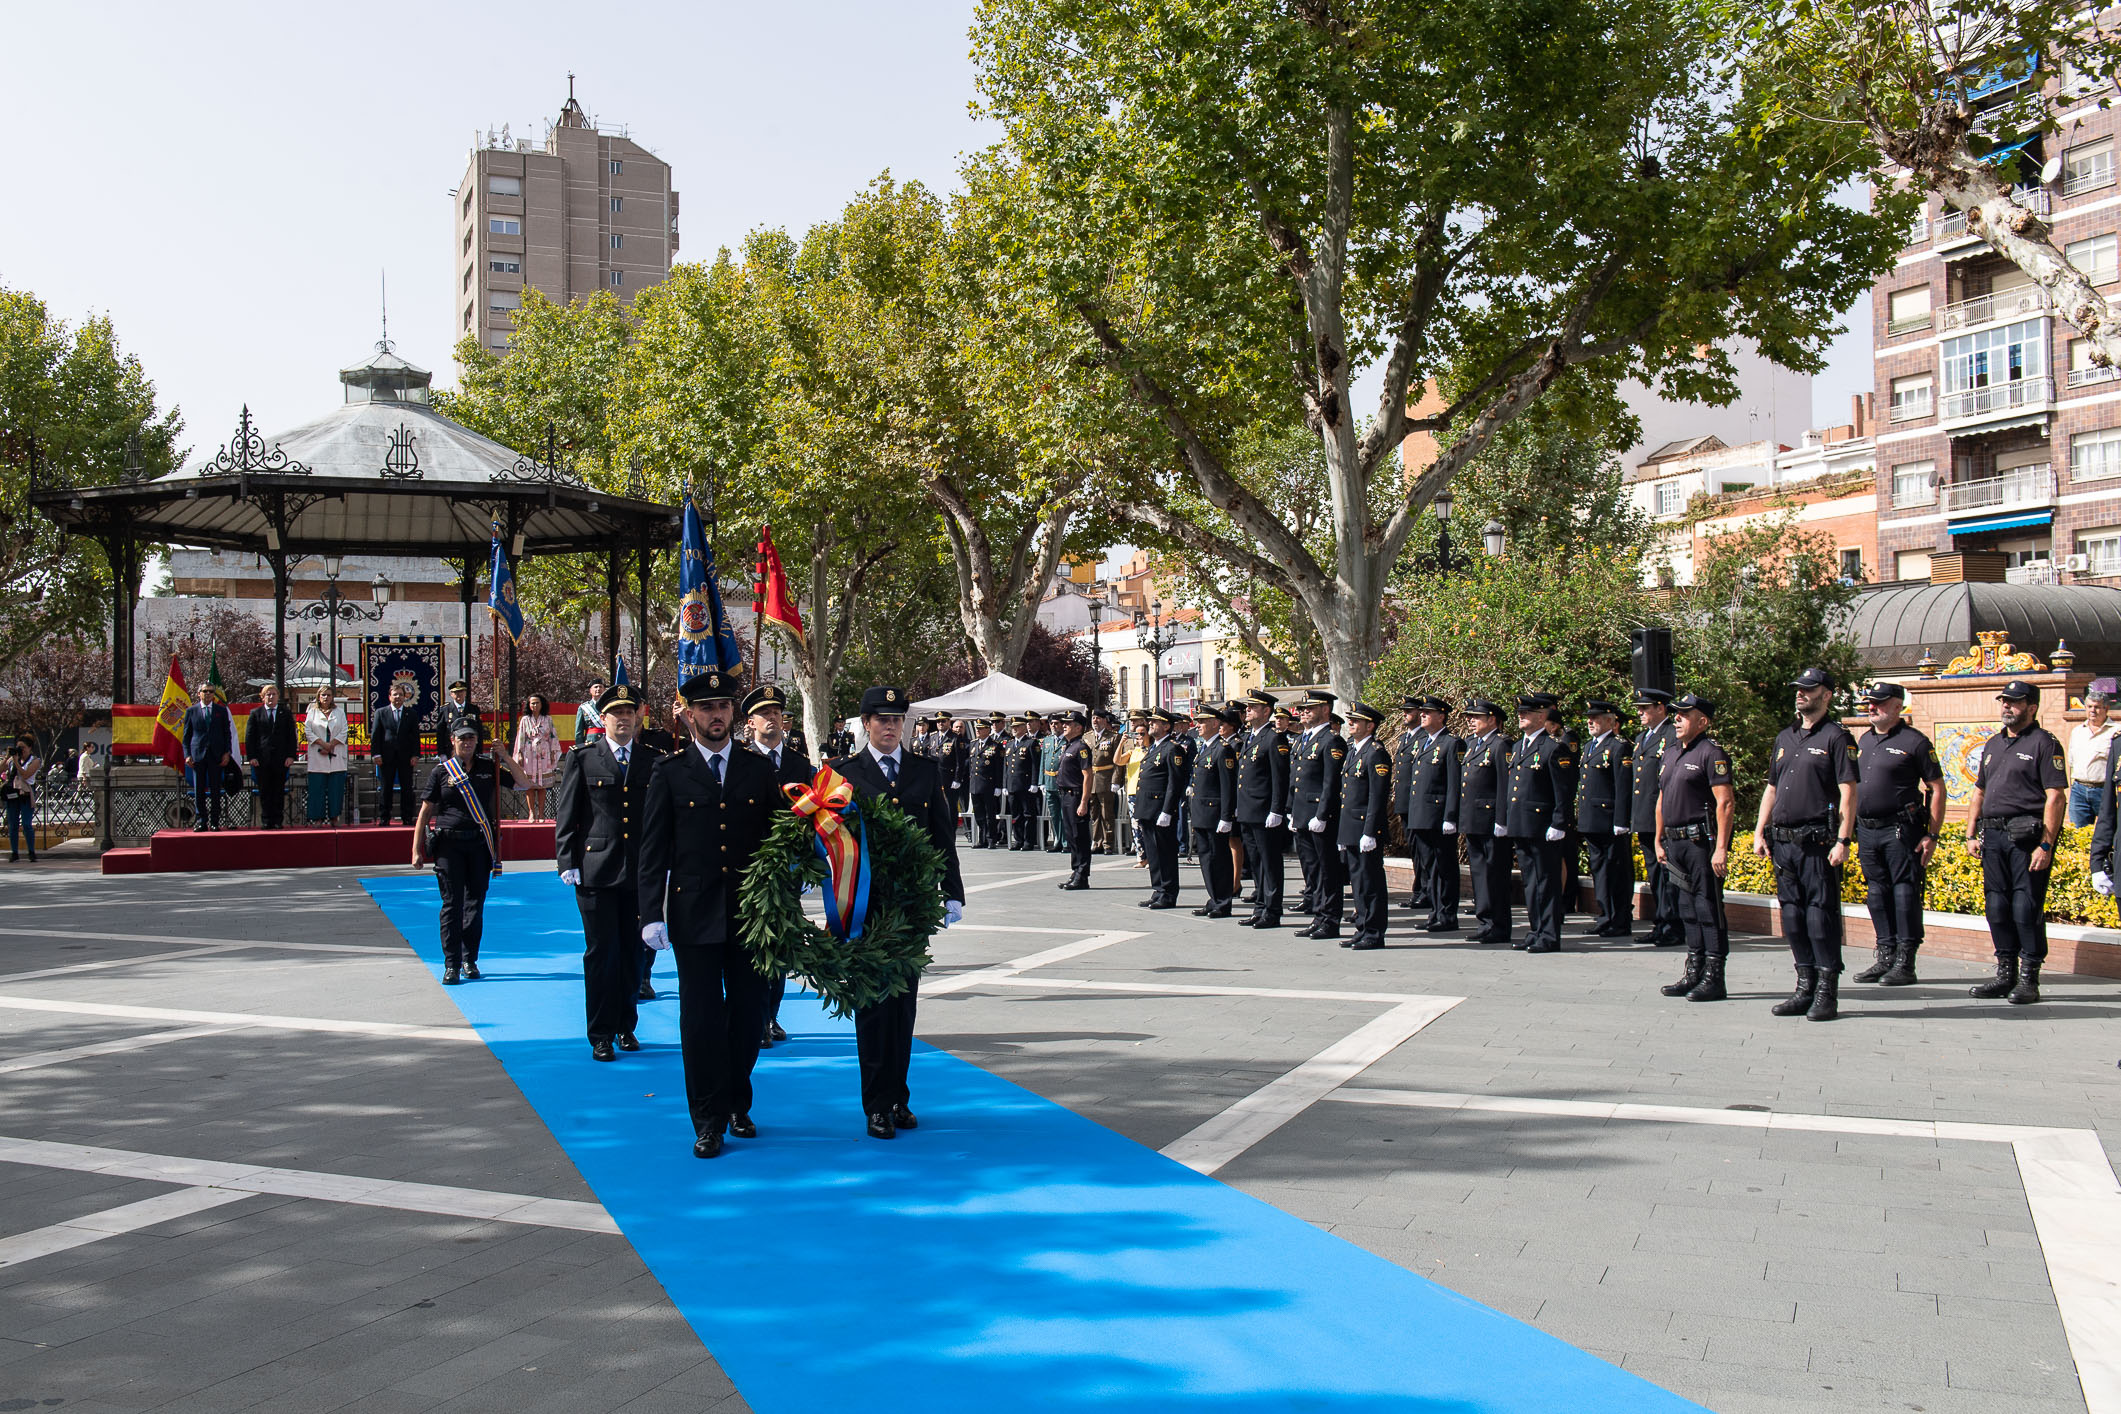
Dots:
{"x": 996, "y": 602}
{"x": 2021, "y": 237}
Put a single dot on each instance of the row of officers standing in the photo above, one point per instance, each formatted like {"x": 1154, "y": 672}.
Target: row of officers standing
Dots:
{"x": 1540, "y": 800}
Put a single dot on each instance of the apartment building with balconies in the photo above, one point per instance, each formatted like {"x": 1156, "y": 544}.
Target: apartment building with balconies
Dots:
{"x": 588, "y": 209}
{"x": 1999, "y": 435}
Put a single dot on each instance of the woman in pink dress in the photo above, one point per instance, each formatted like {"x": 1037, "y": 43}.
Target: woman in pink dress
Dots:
{"x": 537, "y": 753}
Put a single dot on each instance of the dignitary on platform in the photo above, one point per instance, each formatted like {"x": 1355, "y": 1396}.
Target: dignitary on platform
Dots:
{"x": 599, "y": 817}
{"x": 1211, "y": 800}
{"x": 209, "y": 753}
{"x": 1315, "y": 759}
{"x": 394, "y": 744}
{"x": 710, "y": 803}
{"x": 883, "y": 1033}
{"x": 1365, "y": 804}
{"x": 269, "y": 746}
{"x": 459, "y": 827}
{"x": 324, "y": 732}
{"x": 1166, "y": 767}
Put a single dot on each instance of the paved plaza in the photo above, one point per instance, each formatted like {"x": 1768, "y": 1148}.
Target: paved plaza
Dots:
{"x": 252, "y": 1156}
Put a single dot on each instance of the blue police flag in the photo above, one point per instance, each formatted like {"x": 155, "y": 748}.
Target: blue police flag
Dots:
{"x": 705, "y": 639}
{"x": 501, "y": 598}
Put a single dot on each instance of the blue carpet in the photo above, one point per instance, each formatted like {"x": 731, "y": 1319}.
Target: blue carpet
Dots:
{"x": 1010, "y": 1255}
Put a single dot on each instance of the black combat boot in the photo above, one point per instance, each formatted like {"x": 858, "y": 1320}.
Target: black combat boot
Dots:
{"x": 2028, "y": 989}
{"x": 1710, "y": 987}
{"x": 1800, "y": 1001}
{"x": 1999, "y": 985}
{"x": 1688, "y": 978}
{"x": 1903, "y": 973}
{"x": 1826, "y": 997}
{"x": 1882, "y": 964}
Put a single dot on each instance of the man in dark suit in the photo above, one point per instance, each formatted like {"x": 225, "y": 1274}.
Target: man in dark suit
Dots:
{"x": 766, "y": 713}
{"x": 1315, "y": 760}
{"x": 1365, "y": 805}
{"x": 393, "y": 742}
{"x": 1263, "y": 805}
{"x": 1211, "y": 807}
{"x": 597, "y": 825}
{"x": 953, "y": 753}
{"x": 987, "y": 768}
{"x": 883, "y": 1034}
{"x": 709, "y": 805}
{"x": 1158, "y": 789}
{"x": 1481, "y": 780}
{"x": 209, "y": 749}
{"x": 1428, "y": 802}
{"x": 1605, "y": 804}
{"x": 269, "y": 743}
{"x": 1022, "y": 785}
{"x": 1538, "y": 794}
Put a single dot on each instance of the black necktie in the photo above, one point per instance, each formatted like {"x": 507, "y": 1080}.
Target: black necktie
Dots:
{"x": 716, "y": 762}
{"x": 622, "y": 753}
{"x": 890, "y": 766}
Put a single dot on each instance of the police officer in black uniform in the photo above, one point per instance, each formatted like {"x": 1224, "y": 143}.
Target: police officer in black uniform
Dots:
{"x": 954, "y": 754}
{"x": 766, "y": 714}
{"x": 1314, "y": 812}
{"x": 1428, "y": 795}
{"x": 1604, "y": 814}
{"x": 1653, "y": 711}
{"x": 1538, "y": 791}
{"x": 1211, "y": 800}
{"x": 1365, "y": 804}
{"x": 710, "y": 802}
{"x": 466, "y": 852}
{"x": 986, "y": 770}
{"x": 2021, "y": 789}
{"x": 1482, "y": 770}
{"x": 1807, "y": 819}
{"x": 1074, "y": 774}
{"x": 1021, "y": 782}
{"x": 1158, "y": 788}
{"x": 1696, "y": 807}
{"x": 1263, "y": 805}
{"x": 883, "y": 1034}
{"x": 458, "y": 708}
{"x": 1899, "y": 810}
{"x": 1404, "y": 751}
{"x": 598, "y": 817}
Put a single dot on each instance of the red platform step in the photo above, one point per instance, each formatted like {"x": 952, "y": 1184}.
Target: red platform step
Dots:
{"x": 362, "y": 846}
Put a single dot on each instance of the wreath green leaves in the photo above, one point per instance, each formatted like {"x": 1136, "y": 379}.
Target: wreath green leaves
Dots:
{"x": 905, "y": 908}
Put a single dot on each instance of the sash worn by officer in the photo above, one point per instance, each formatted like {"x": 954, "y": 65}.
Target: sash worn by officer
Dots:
{"x": 1365, "y": 805}
{"x": 1263, "y": 805}
{"x": 883, "y": 1034}
{"x": 600, "y": 812}
{"x": 709, "y": 804}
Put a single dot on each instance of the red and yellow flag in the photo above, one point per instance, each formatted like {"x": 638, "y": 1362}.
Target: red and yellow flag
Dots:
{"x": 776, "y": 604}
{"x": 169, "y": 720}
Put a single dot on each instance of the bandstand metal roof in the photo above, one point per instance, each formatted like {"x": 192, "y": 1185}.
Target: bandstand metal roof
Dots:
{"x": 1895, "y": 624}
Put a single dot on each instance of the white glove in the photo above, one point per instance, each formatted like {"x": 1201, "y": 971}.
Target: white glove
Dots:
{"x": 953, "y": 785}
{"x": 2103, "y": 882}
{"x": 571, "y": 877}
{"x": 997, "y": 795}
{"x": 1318, "y": 824}
{"x": 1222, "y": 827}
{"x": 656, "y": 935}
{"x": 1368, "y": 843}
{"x": 1556, "y": 836}
{"x": 1622, "y": 830}
{"x": 1274, "y": 821}
{"x": 953, "y": 912}
{"x": 1163, "y": 821}
{"x": 1502, "y": 832}
{"x": 1449, "y": 828}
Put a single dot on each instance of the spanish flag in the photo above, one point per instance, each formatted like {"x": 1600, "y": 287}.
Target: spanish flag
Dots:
{"x": 776, "y": 604}
{"x": 169, "y": 721}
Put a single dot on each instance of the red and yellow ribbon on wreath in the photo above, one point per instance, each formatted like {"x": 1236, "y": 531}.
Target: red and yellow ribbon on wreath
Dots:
{"x": 841, "y": 840}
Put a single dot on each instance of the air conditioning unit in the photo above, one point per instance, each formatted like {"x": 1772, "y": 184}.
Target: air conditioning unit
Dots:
{"x": 2076, "y": 564}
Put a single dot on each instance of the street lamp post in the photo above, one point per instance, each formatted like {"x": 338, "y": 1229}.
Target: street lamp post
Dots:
{"x": 332, "y": 609}
{"x": 1154, "y": 636}
{"x": 1097, "y": 648}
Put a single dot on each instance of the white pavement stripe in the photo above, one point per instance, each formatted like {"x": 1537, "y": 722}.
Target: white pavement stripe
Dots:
{"x": 243, "y": 1018}
{"x": 960, "y": 981}
{"x": 215, "y": 943}
{"x": 79, "y": 1232}
{"x": 299, "y": 1183}
{"x": 123, "y": 1044}
{"x": 1186, "y": 989}
{"x": 2069, "y": 1188}
{"x": 1016, "y": 879}
{"x": 1212, "y": 1144}
{"x": 107, "y": 964}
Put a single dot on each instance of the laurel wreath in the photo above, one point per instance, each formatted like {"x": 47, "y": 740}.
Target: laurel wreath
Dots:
{"x": 905, "y": 908}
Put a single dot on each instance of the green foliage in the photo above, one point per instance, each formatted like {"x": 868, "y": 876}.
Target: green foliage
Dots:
{"x": 905, "y": 909}
{"x": 1554, "y": 490}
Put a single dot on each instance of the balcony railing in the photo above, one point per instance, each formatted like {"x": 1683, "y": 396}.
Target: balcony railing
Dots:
{"x": 1908, "y": 409}
{"x": 2031, "y": 572}
{"x": 2085, "y": 377}
{"x": 1998, "y": 397}
{"x": 2095, "y": 468}
{"x": 1907, "y": 324}
{"x": 2089, "y": 179}
{"x": 1923, "y": 495}
{"x": 1987, "y": 309}
{"x": 2020, "y": 486}
{"x": 1952, "y": 224}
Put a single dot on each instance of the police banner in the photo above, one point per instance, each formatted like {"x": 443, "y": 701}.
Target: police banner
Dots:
{"x": 414, "y": 662}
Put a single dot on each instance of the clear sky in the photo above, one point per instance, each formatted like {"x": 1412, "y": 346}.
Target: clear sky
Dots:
{"x": 228, "y": 182}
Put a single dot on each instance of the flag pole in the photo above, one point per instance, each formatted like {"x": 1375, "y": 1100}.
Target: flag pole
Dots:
{"x": 758, "y": 605}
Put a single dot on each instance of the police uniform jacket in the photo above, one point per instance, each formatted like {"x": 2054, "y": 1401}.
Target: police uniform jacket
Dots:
{"x": 1161, "y": 784}
{"x": 1481, "y": 782}
{"x": 1430, "y": 782}
{"x": 1539, "y": 787}
{"x": 1104, "y": 746}
{"x": 1365, "y": 793}
{"x": 1074, "y": 769}
{"x": 1023, "y": 763}
{"x": 699, "y": 837}
{"x": 1651, "y": 744}
{"x": 1606, "y": 795}
{"x": 955, "y": 754}
{"x": 451, "y": 713}
{"x": 1314, "y": 777}
{"x": 918, "y": 792}
{"x": 1211, "y": 798}
{"x": 1262, "y": 775}
{"x": 599, "y": 815}
{"x": 990, "y": 763}
{"x": 795, "y": 767}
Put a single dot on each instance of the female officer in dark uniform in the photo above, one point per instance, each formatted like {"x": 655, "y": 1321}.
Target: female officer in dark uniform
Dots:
{"x": 460, "y": 802}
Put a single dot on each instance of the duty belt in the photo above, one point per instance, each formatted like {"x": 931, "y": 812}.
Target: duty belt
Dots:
{"x": 1810, "y": 832}
{"x": 1687, "y": 832}
{"x": 1909, "y": 816}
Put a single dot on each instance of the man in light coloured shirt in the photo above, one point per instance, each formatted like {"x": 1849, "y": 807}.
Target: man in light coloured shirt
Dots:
{"x": 2089, "y": 742}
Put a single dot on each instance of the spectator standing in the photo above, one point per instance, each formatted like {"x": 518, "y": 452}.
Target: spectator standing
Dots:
{"x": 2090, "y": 742}
{"x": 18, "y": 788}
{"x": 537, "y": 751}
{"x": 324, "y": 730}
{"x": 269, "y": 743}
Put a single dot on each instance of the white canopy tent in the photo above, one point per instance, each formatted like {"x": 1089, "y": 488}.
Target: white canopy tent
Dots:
{"x": 996, "y": 692}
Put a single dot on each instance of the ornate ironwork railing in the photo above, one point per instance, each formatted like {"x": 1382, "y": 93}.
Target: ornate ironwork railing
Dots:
{"x": 246, "y": 454}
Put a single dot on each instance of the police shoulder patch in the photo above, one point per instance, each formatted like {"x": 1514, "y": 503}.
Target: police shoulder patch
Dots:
{"x": 1723, "y": 767}
{"x": 1338, "y": 755}
{"x": 2058, "y": 761}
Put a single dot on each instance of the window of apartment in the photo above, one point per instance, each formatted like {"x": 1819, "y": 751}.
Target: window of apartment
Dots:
{"x": 2102, "y": 548}
{"x": 1915, "y": 483}
{"x": 503, "y": 301}
{"x": 618, "y": 242}
{"x": 1124, "y": 678}
{"x": 504, "y": 262}
{"x": 1908, "y": 310}
{"x": 467, "y": 314}
{"x": 1671, "y": 497}
{"x": 1147, "y": 700}
{"x": 504, "y": 186}
{"x": 2093, "y": 455}
{"x": 1852, "y": 566}
{"x": 2011, "y": 354}
{"x": 618, "y": 277}
{"x": 1910, "y": 397}
{"x": 617, "y": 166}
{"x": 1911, "y": 564}
{"x": 1219, "y": 693}
{"x": 2089, "y": 167}
{"x": 2098, "y": 258}
{"x": 467, "y": 242}
{"x": 467, "y": 202}
{"x": 504, "y": 225}
{"x": 618, "y": 203}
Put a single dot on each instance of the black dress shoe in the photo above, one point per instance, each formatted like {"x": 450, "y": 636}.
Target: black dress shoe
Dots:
{"x": 773, "y": 1030}
{"x": 646, "y": 994}
{"x": 625, "y": 1042}
{"x": 450, "y": 977}
{"x": 471, "y": 972}
{"x": 708, "y": 1145}
{"x": 602, "y": 1051}
{"x": 1323, "y": 934}
{"x": 742, "y": 1127}
{"x": 903, "y": 1118}
{"x": 1250, "y": 921}
{"x": 1545, "y": 945}
{"x": 1223, "y": 912}
{"x": 1366, "y": 945}
{"x": 199, "y": 829}
{"x": 1442, "y": 925}
{"x": 1268, "y": 923}
{"x": 1348, "y": 942}
{"x": 1145, "y": 903}
{"x": 1173, "y": 903}
{"x": 880, "y": 1127}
